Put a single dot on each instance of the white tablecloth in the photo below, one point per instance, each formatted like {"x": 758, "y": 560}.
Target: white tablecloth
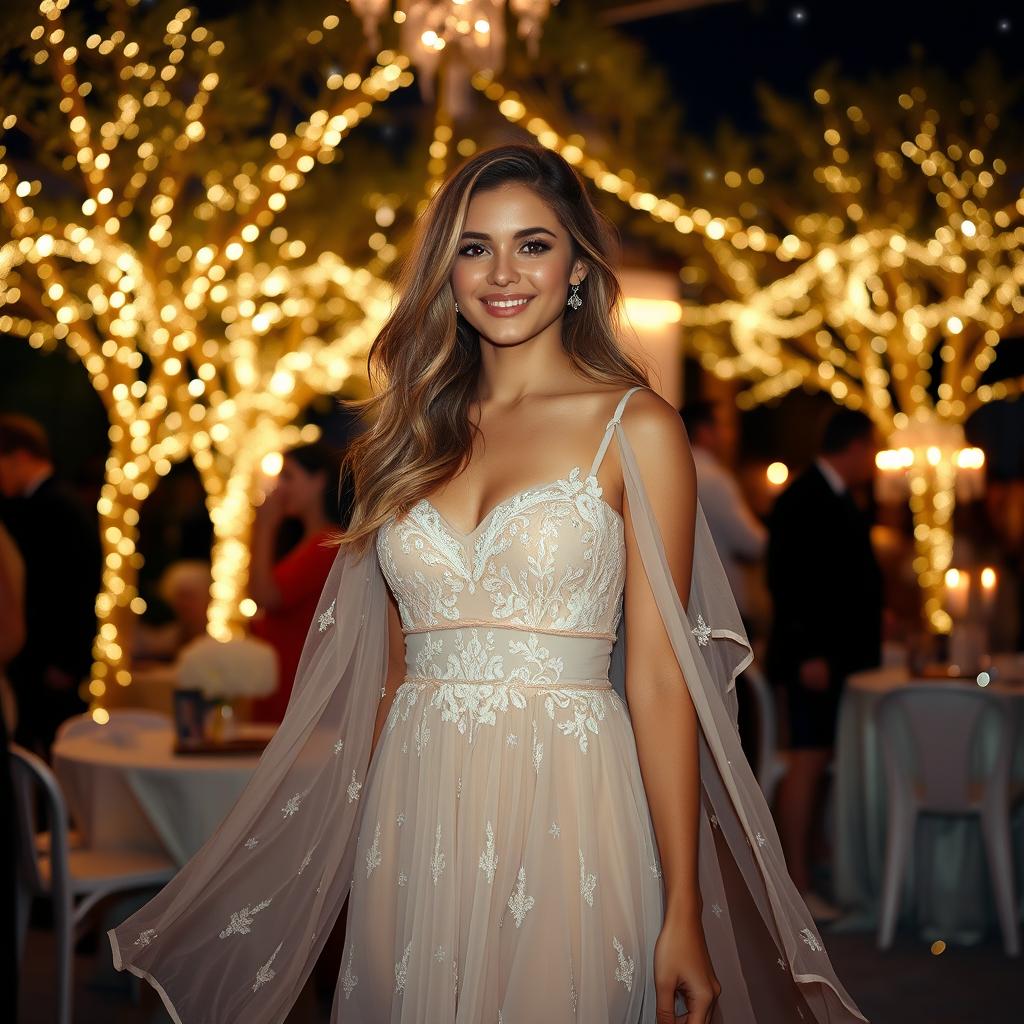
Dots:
{"x": 126, "y": 788}
{"x": 946, "y": 891}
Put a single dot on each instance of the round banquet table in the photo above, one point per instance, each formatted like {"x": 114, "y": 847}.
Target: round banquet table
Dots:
{"x": 946, "y": 891}
{"x": 127, "y": 789}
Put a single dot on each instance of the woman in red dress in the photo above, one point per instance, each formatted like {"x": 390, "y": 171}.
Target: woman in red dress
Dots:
{"x": 287, "y": 590}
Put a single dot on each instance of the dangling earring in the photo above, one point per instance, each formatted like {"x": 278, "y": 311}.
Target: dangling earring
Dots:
{"x": 456, "y": 307}
{"x": 574, "y": 300}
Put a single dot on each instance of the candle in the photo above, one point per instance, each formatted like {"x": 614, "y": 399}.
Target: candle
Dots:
{"x": 957, "y": 589}
{"x": 988, "y": 590}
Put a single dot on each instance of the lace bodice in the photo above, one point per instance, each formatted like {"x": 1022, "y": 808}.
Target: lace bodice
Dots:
{"x": 550, "y": 558}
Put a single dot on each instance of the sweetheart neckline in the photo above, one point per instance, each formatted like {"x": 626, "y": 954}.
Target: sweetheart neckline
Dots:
{"x": 461, "y": 535}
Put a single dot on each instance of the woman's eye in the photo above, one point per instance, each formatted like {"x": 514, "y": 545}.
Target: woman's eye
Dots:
{"x": 536, "y": 246}
{"x": 473, "y": 249}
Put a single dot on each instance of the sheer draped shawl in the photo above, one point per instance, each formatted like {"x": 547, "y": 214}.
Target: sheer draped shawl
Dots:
{"x": 236, "y": 933}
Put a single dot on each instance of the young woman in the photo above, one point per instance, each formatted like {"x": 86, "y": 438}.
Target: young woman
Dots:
{"x": 287, "y": 590}
{"x": 541, "y": 810}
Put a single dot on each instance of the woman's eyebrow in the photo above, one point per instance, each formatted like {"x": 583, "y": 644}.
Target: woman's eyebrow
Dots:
{"x": 484, "y": 237}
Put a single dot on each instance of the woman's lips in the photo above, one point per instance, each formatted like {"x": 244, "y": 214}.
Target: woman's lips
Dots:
{"x": 507, "y": 305}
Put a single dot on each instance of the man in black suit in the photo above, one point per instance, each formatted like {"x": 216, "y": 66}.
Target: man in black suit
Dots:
{"x": 826, "y": 589}
{"x": 60, "y": 546}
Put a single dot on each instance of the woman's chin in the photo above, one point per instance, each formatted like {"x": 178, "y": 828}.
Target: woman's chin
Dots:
{"x": 508, "y": 335}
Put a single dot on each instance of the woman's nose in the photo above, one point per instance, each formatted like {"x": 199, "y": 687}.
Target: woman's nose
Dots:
{"x": 503, "y": 269}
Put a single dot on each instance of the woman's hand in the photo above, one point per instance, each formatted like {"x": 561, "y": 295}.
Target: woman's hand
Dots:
{"x": 681, "y": 961}
{"x": 270, "y": 513}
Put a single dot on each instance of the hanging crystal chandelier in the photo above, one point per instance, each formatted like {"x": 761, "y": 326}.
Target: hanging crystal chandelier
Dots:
{"x": 473, "y": 28}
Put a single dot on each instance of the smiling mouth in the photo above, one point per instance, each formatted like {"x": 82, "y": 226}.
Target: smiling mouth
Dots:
{"x": 506, "y": 306}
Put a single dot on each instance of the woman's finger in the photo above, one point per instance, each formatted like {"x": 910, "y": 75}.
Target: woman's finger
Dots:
{"x": 665, "y": 1004}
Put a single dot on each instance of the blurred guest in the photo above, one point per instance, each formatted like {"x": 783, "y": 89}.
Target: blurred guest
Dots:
{"x": 827, "y": 593}
{"x": 12, "y": 621}
{"x": 60, "y": 545}
{"x": 738, "y": 534}
{"x": 287, "y": 591}
{"x": 185, "y": 589}
{"x": 12, "y": 636}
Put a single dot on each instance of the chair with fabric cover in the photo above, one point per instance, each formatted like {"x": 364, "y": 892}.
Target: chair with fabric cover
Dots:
{"x": 942, "y": 724}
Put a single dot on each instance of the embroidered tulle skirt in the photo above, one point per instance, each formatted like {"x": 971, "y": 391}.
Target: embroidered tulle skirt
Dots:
{"x": 506, "y": 868}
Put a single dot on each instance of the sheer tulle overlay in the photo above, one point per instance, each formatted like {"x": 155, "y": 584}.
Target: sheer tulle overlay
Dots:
{"x": 498, "y": 852}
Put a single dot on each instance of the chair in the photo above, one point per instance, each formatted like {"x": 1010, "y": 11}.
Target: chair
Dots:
{"x": 771, "y": 766}
{"x": 942, "y": 722}
{"x": 74, "y": 880}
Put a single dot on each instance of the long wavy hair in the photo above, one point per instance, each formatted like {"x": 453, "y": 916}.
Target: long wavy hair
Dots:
{"x": 424, "y": 364}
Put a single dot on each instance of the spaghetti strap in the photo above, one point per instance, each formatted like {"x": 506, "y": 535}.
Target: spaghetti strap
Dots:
{"x": 606, "y": 440}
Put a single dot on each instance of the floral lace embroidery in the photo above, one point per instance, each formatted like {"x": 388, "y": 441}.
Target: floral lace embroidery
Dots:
{"x": 308, "y": 857}
{"x": 348, "y": 979}
{"x": 519, "y": 902}
{"x": 251, "y": 843}
{"x": 588, "y": 708}
{"x": 146, "y": 937}
{"x": 572, "y": 985}
{"x": 241, "y": 920}
{"x": 265, "y": 973}
{"x": 327, "y": 618}
{"x": 469, "y": 705}
{"x": 373, "y": 856}
{"x": 624, "y": 971}
{"x": 353, "y": 787}
{"x": 551, "y": 557}
{"x": 421, "y": 736}
{"x": 402, "y": 969}
{"x": 587, "y": 883}
{"x": 538, "y": 751}
{"x": 812, "y": 940}
{"x": 437, "y": 861}
{"x": 292, "y": 806}
{"x": 702, "y": 631}
{"x": 488, "y": 859}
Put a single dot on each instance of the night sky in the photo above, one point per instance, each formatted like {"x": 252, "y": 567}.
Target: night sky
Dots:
{"x": 716, "y": 53}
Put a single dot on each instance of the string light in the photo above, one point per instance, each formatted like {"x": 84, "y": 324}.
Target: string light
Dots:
{"x": 209, "y": 351}
{"x": 474, "y": 28}
{"x": 851, "y": 302}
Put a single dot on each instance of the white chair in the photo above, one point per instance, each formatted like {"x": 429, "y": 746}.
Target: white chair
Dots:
{"x": 771, "y": 766}
{"x": 942, "y": 723}
{"x": 74, "y": 880}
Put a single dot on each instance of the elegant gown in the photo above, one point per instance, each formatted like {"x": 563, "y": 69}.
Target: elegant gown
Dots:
{"x": 497, "y": 850}
{"x": 506, "y": 868}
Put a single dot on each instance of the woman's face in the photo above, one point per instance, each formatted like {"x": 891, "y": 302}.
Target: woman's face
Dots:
{"x": 514, "y": 265}
{"x": 300, "y": 491}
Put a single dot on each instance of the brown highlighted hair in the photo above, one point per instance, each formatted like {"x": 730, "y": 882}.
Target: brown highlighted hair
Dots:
{"x": 425, "y": 362}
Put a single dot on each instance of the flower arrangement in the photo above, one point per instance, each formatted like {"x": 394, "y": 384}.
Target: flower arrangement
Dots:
{"x": 228, "y": 670}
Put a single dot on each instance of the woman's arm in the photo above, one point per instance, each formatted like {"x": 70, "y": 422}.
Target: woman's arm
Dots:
{"x": 663, "y": 716}
{"x": 662, "y": 712}
{"x": 263, "y": 588}
{"x": 395, "y": 672}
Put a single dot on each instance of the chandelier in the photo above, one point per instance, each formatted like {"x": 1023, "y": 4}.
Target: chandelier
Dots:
{"x": 475, "y": 29}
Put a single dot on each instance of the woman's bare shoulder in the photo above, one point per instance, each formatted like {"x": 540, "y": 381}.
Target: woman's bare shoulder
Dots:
{"x": 650, "y": 421}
